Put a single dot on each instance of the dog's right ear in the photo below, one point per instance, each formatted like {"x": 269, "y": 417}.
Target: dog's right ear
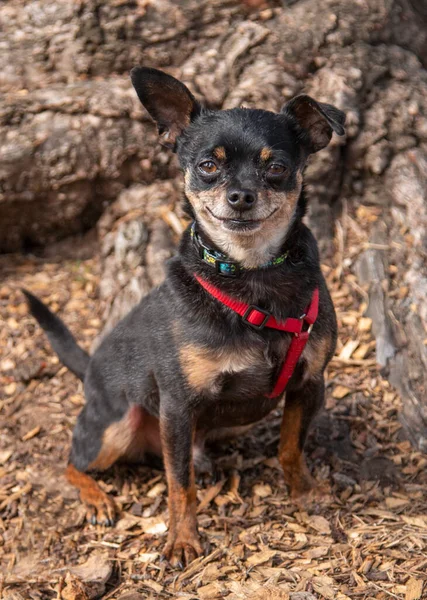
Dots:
{"x": 169, "y": 102}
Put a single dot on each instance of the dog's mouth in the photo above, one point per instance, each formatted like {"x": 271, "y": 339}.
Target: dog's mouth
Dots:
{"x": 240, "y": 224}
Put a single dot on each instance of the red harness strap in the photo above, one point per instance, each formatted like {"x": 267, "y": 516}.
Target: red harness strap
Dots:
{"x": 259, "y": 318}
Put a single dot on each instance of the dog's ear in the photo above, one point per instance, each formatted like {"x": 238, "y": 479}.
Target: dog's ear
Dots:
{"x": 316, "y": 120}
{"x": 167, "y": 100}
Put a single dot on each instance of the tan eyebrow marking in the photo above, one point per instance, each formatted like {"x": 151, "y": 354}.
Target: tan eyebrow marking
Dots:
{"x": 219, "y": 153}
{"x": 265, "y": 154}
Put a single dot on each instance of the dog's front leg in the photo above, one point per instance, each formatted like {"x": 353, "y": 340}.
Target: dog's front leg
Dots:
{"x": 300, "y": 408}
{"x": 177, "y": 433}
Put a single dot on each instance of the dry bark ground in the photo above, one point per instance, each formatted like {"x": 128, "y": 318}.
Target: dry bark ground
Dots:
{"x": 363, "y": 536}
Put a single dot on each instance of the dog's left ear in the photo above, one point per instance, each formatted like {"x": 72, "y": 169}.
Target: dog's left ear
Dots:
{"x": 169, "y": 102}
{"x": 316, "y": 120}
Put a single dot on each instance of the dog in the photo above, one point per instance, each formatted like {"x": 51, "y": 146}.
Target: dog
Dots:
{"x": 243, "y": 314}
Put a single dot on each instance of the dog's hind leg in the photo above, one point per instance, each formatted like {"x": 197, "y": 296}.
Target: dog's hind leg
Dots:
{"x": 97, "y": 446}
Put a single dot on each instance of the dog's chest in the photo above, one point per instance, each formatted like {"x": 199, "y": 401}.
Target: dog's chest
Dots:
{"x": 205, "y": 368}
{"x": 208, "y": 369}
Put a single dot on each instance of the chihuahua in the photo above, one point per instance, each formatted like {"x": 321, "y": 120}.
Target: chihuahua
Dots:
{"x": 243, "y": 313}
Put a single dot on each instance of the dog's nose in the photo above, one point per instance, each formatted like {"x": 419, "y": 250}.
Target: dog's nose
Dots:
{"x": 241, "y": 199}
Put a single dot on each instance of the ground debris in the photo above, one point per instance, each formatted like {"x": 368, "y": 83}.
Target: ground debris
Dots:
{"x": 73, "y": 590}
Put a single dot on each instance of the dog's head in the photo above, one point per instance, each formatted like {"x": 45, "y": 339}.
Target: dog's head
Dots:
{"x": 243, "y": 167}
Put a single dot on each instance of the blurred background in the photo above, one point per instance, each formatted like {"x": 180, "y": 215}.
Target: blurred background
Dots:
{"x": 90, "y": 211}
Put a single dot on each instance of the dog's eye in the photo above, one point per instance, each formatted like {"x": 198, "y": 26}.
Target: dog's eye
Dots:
{"x": 276, "y": 169}
{"x": 208, "y": 167}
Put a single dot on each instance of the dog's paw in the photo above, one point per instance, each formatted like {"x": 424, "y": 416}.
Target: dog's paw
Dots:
{"x": 302, "y": 485}
{"x": 298, "y": 478}
{"x": 181, "y": 552}
{"x": 101, "y": 510}
{"x": 319, "y": 493}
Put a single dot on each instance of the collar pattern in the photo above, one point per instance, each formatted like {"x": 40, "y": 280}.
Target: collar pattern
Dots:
{"x": 220, "y": 262}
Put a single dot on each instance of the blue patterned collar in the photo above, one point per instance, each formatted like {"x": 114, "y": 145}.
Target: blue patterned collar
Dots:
{"x": 220, "y": 262}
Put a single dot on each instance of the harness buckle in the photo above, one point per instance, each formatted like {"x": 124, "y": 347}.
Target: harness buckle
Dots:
{"x": 249, "y": 310}
{"x": 305, "y": 333}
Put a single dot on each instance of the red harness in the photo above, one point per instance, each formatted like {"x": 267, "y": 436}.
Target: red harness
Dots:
{"x": 259, "y": 318}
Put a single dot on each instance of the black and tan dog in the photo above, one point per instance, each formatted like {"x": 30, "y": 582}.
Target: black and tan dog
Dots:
{"x": 213, "y": 347}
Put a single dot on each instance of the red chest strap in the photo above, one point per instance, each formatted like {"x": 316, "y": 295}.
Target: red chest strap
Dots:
{"x": 259, "y": 318}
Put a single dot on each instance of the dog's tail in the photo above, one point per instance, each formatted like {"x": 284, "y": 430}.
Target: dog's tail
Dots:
{"x": 60, "y": 337}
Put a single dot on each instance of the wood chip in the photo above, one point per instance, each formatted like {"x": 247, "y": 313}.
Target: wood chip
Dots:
{"x": 263, "y": 490}
{"x": 210, "y": 494}
{"x": 317, "y": 552}
{"x": 127, "y": 522}
{"x": 416, "y": 521}
{"x": 363, "y": 350}
{"x": 5, "y": 455}
{"x": 364, "y": 325}
{"x": 212, "y": 591}
{"x": 391, "y": 502}
{"x": 21, "y": 492}
{"x": 320, "y": 524}
{"x": 32, "y": 433}
{"x": 97, "y": 568}
{"x": 341, "y": 391}
{"x": 74, "y": 589}
{"x": 325, "y": 590}
{"x": 157, "y": 587}
{"x": 153, "y": 525}
{"x": 260, "y": 558}
{"x": 348, "y": 349}
{"x": 147, "y": 557}
{"x": 233, "y": 492}
{"x": 156, "y": 490}
{"x": 414, "y": 589}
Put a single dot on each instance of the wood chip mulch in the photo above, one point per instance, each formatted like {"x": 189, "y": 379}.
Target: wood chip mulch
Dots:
{"x": 363, "y": 535}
